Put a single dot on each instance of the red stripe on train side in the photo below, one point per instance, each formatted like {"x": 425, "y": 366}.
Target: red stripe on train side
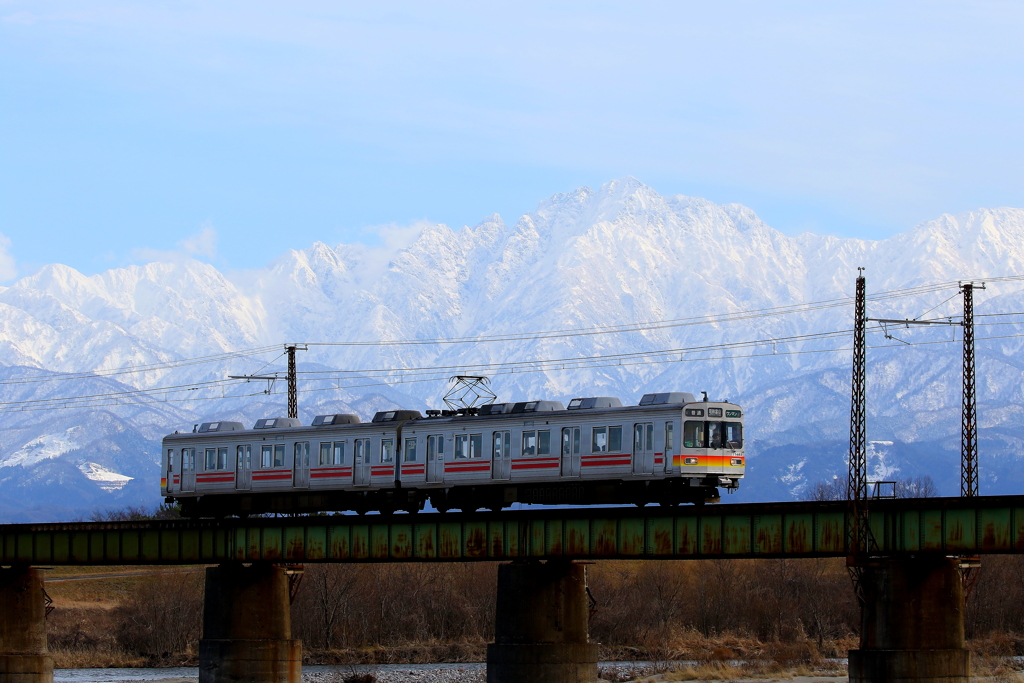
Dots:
{"x": 605, "y": 463}
{"x": 533, "y": 465}
{"x": 271, "y": 476}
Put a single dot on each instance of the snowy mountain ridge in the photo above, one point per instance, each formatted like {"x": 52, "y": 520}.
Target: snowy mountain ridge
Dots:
{"x": 615, "y": 256}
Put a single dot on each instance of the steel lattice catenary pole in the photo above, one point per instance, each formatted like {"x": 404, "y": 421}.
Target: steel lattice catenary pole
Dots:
{"x": 969, "y": 412}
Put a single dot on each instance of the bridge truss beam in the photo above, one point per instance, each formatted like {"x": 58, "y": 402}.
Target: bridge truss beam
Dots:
{"x": 955, "y": 526}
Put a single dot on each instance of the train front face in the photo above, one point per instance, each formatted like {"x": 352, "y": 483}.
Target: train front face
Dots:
{"x": 711, "y": 451}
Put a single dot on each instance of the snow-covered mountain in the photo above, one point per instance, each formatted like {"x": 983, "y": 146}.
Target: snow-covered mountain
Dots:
{"x": 617, "y": 256}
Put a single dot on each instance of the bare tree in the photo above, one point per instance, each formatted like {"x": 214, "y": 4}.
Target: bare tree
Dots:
{"x": 830, "y": 489}
{"x": 916, "y": 487}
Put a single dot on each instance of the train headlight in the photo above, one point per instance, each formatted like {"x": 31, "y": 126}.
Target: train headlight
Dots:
{"x": 690, "y": 461}
{"x": 736, "y": 462}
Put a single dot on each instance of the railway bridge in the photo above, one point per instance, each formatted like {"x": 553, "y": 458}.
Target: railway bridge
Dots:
{"x": 910, "y": 588}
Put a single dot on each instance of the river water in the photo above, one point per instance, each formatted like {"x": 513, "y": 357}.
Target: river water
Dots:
{"x": 312, "y": 673}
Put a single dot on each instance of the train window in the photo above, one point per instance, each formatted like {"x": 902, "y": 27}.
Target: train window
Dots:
{"x": 693, "y": 434}
{"x": 170, "y": 460}
{"x": 537, "y": 442}
{"x": 650, "y": 436}
{"x": 599, "y": 443}
{"x": 339, "y": 452}
{"x": 469, "y": 446}
{"x": 325, "y": 452}
{"x": 714, "y": 434}
{"x": 387, "y": 450}
{"x": 530, "y": 443}
{"x": 211, "y": 459}
{"x": 615, "y": 439}
{"x": 544, "y": 442}
{"x": 222, "y": 458}
{"x": 733, "y": 434}
{"x": 669, "y": 442}
{"x": 279, "y": 455}
{"x": 714, "y": 412}
{"x": 410, "y": 450}
{"x": 266, "y": 456}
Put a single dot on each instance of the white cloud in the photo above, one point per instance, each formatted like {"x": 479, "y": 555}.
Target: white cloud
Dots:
{"x": 203, "y": 244}
{"x": 392, "y": 239}
{"x": 8, "y": 268}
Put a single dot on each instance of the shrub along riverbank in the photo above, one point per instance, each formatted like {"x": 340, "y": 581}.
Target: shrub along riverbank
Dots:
{"x": 789, "y": 613}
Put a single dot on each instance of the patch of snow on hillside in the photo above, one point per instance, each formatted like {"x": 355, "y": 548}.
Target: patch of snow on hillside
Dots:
{"x": 44, "y": 447}
{"x": 108, "y": 480}
{"x": 880, "y": 461}
{"x": 794, "y": 479}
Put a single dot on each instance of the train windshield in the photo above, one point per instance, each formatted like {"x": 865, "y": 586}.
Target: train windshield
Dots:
{"x": 693, "y": 434}
{"x": 734, "y": 434}
{"x": 712, "y": 434}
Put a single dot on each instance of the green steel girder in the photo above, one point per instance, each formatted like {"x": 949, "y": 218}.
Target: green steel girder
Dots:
{"x": 955, "y": 526}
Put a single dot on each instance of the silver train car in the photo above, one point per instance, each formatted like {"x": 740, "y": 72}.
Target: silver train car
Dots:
{"x": 669, "y": 449}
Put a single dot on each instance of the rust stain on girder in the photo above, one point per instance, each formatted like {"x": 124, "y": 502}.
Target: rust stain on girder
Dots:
{"x": 986, "y": 524}
{"x": 798, "y": 537}
{"x": 476, "y": 540}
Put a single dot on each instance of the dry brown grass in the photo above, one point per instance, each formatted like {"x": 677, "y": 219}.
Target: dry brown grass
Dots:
{"x": 100, "y": 657}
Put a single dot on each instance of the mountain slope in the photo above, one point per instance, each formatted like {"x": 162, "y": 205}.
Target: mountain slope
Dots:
{"x": 615, "y": 256}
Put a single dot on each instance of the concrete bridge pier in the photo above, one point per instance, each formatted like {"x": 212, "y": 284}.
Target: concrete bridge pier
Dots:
{"x": 247, "y": 628}
{"x": 541, "y": 625}
{"x": 912, "y": 623}
{"x": 23, "y": 654}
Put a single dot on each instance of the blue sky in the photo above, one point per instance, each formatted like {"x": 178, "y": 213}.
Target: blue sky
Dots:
{"x": 236, "y": 130}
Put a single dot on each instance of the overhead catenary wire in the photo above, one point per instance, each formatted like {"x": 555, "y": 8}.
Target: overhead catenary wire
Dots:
{"x": 564, "y": 333}
{"x": 537, "y": 365}
{"x": 145, "y": 399}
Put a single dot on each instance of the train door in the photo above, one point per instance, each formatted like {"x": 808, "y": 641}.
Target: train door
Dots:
{"x": 169, "y": 476}
{"x": 243, "y": 467}
{"x": 571, "y": 437}
{"x": 361, "y": 462}
{"x": 435, "y": 459}
{"x": 501, "y": 463}
{"x": 643, "y": 448}
{"x": 300, "y": 479}
{"x": 188, "y": 469}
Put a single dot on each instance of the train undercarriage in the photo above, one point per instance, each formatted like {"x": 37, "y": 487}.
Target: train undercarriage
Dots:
{"x": 666, "y": 492}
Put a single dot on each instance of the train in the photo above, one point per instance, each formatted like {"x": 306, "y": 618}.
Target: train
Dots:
{"x": 669, "y": 449}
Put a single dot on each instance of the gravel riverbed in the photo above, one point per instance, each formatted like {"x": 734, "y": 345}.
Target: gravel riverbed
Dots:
{"x": 465, "y": 673}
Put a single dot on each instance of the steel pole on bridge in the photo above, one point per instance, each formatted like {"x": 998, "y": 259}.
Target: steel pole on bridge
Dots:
{"x": 969, "y": 412}
{"x": 912, "y": 606}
